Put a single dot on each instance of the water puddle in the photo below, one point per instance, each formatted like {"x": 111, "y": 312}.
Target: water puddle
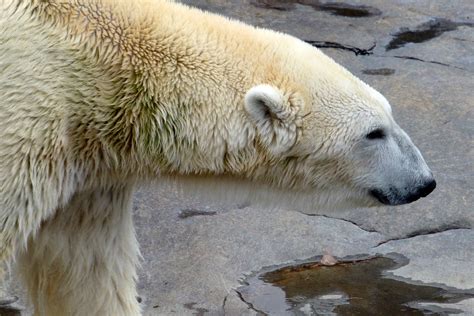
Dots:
{"x": 424, "y": 32}
{"x": 335, "y": 8}
{"x": 356, "y": 287}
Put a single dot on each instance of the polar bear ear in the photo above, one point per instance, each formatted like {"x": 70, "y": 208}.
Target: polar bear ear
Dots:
{"x": 274, "y": 117}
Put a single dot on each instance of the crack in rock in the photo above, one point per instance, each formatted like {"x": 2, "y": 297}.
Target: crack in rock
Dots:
{"x": 422, "y": 60}
{"x": 426, "y": 61}
{"x": 345, "y": 220}
{"x": 250, "y": 305}
{"x": 370, "y": 52}
{"x": 223, "y": 304}
{"x": 425, "y": 232}
{"x": 356, "y": 50}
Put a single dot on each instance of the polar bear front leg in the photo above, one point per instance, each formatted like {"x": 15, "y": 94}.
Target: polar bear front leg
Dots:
{"x": 83, "y": 260}
{"x": 30, "y": 192}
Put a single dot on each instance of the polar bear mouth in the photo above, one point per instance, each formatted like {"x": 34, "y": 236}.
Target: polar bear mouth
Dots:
{"x": 380, "y": 196}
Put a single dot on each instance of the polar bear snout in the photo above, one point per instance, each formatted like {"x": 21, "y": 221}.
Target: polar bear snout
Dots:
{"x": 394, "y": 196}
{"x": 398, "y": 171}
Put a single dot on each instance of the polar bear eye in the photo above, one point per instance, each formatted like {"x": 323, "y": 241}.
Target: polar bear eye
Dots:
{"x": 376, "y": 134}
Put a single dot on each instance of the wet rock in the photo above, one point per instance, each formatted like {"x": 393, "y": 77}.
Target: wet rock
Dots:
{"x": 425, "y": 32}
{"x": 346, "y": 9}
{"x": 191, "y": 212}
{"x": 335, "y": 8}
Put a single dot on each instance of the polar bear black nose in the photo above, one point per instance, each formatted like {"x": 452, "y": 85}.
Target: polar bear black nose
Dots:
{"x": 427, "y": 188}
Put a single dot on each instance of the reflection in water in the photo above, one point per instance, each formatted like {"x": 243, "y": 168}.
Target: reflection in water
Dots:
{"x": 348, "y": 288}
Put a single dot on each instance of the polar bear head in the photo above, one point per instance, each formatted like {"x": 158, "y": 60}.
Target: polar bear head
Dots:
{"x": 350, "y": 146}
{"x": 333, "y": 134}
{"x": 286, "y": 125}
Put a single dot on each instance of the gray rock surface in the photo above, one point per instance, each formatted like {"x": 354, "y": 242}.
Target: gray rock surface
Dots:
{"x": 447, "y": 254}
{"x": 193, "y": 261}
{"x": 444, "y": 259}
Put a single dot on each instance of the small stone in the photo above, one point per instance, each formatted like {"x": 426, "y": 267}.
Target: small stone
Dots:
{"x": 328, "y": 260}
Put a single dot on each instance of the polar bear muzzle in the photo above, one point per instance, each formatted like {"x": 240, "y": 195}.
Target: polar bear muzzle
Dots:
{"x": 401, "y": 173}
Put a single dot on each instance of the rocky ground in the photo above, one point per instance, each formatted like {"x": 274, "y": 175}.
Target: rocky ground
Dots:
{"x": 420, "y": 55}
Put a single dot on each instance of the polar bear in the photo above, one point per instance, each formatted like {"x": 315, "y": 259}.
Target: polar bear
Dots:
{"x": 97, "y": 95}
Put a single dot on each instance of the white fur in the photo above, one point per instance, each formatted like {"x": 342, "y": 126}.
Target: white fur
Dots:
{"x": 383, "y": 101}
{"x": 88, "y": 248}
